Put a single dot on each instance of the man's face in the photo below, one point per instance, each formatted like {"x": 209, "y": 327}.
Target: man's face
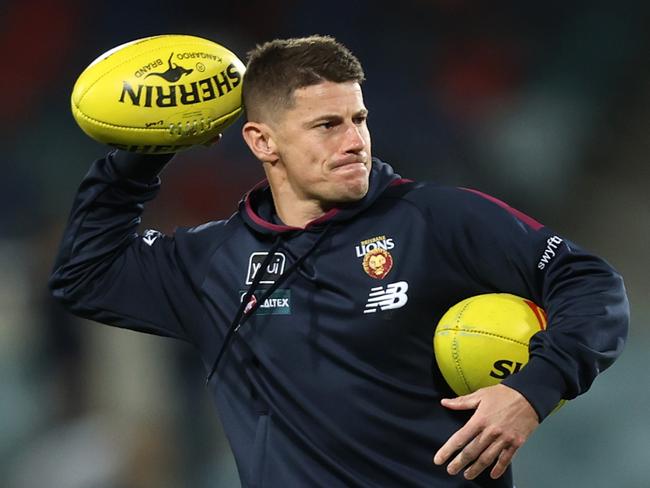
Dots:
{"x": 323, "y": 144}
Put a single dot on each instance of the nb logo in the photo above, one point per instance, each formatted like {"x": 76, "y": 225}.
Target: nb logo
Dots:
{"x": 394, "y": 296}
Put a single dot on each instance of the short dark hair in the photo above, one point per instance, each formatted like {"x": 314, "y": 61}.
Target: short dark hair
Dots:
{"x": 277, "y": 68}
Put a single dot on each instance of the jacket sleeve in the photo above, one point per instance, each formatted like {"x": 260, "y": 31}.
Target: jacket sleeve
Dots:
{"x": 588, "y": 313}
{"x": 106, "y": 272}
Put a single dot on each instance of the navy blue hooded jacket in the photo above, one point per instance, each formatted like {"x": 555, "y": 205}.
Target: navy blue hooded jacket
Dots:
{"x": 330, "y": 380}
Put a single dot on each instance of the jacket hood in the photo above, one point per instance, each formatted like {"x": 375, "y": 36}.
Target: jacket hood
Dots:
{"x": 258, "y": 211}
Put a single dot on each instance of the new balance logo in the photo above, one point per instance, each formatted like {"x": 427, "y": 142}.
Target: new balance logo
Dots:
{"x": 394, "y": 296}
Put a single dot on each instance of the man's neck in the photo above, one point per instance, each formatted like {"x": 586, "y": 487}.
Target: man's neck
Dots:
{"x": 293, "y": 208}
{"x": 296, "y": 212}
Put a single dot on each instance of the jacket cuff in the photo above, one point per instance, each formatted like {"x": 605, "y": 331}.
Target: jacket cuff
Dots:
{"x": 540, "y": 383}
{"x": 143, "y": 168}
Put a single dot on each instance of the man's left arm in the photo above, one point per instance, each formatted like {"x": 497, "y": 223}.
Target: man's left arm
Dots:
{"x": 588, "y": 316}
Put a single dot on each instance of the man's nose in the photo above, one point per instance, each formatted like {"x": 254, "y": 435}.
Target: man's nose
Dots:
{"x": 354, "y": 141}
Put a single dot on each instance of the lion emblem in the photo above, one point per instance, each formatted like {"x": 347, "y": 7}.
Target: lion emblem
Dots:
{"x": 377, "y": 263}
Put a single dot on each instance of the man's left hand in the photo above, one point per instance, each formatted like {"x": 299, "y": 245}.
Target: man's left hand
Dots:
{"x": 502, "y": 422}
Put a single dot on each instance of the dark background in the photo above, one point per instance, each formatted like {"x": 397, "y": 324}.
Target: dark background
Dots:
{"x": 543, "y": 104}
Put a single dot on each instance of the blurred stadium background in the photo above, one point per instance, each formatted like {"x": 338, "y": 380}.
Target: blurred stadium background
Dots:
{"x": 545, "y": 105}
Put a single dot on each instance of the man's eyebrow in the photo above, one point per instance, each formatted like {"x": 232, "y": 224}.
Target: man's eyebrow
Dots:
{"x": 327, "y": 117}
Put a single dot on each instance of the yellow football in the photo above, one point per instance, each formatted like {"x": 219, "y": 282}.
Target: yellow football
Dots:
{"x": 159, "y": 94}
{"x": 483, "y": 339}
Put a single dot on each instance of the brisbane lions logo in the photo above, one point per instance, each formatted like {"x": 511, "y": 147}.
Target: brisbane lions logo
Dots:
{"x": 377, "y": 263}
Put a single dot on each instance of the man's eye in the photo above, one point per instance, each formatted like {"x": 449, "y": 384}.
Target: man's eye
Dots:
{"x": 360, "y": 120}
{"x": 326, "y": 125}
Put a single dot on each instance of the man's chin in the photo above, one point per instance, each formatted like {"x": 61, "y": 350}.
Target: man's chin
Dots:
{"x": 346, "y": 192}
{"x": 354, "y": 194}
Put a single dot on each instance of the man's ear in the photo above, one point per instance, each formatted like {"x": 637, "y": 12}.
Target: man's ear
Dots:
{"x": 260, "y": 140}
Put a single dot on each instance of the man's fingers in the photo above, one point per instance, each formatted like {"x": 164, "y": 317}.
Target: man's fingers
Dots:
{"x": 505, "y": 458}
{"x": 501, "y": 424}
{"x": 465, "y": 402}
{"x": 480, "y": 452}
{"x": 463, "y": 436}
{"x": 455, "y": 443}
{"x": 467, "y": 455}
{"x": 486, "y": 459}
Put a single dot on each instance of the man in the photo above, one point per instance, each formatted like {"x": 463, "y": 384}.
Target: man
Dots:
{"x": 320, "y": 363}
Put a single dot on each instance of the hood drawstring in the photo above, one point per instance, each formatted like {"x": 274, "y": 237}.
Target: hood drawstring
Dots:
{"x": 243, "y": 314}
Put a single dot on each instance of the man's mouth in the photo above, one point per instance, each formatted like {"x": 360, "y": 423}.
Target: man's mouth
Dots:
{"x": 351, "y": 162}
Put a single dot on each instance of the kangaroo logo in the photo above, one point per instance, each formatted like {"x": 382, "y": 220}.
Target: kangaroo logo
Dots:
{"x": 173, "y": 73}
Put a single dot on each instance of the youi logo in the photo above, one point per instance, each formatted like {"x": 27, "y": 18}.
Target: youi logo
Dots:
{"x": 272, "y": 272}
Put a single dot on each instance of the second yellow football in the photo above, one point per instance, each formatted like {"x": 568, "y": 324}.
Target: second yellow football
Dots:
{"x": 481, "y": 340}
